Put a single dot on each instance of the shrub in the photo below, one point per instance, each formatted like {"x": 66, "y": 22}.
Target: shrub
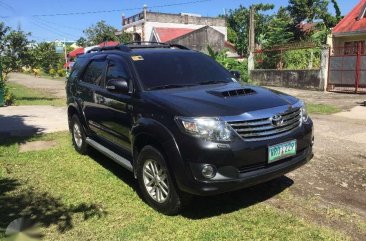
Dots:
{"x": 36, "y": 72}
{"x": 52, "y": 72}
{"x": 61, "y": 73}
{"x": 9, "y": 97}
{"x": 230, "y": 63}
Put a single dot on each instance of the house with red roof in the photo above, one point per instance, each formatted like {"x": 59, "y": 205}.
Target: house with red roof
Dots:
{"x": 350, "y": 32}
{"x": 191, "y": 30}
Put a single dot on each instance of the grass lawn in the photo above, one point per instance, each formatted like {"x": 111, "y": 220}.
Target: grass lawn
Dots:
{"x": 322, "y": 109}
{"x": 76, "y": 197}
{"x": 28, "y": 96}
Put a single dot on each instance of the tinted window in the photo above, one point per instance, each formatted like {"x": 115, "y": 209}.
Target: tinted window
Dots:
{"x": 78, "y": 66}
{"x": 95, "y": 72}
{"x": 117, "y": 70}
{"x": 178, "y": 68}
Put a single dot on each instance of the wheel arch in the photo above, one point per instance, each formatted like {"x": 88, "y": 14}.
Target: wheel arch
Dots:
{"x": 154, "y": 133}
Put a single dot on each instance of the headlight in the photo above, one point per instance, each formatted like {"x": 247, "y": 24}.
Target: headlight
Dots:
{"x": 304, "y": 113}
{"x": 211, "y": 129}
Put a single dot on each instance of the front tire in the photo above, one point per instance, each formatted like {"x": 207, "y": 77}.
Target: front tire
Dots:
{"x": 156, "y": 184}
{"x": 78, "y": 136}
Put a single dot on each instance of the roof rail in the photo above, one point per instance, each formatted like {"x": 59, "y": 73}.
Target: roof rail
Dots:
{"x": 137, "y": 45}
{"x": 147, "y": 44}
{"x": 118, "y": 47}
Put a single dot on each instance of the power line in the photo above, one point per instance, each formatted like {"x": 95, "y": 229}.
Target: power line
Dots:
{"x": 118, "y": 10}
{"x": 48, "y": 28}
{"x": 7, "y": 6}
{"x": 59, "y": 25}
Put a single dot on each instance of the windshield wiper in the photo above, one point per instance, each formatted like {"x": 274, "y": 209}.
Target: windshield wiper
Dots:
{"x": 168, "y": 86}
{"x": 210, "y": 82}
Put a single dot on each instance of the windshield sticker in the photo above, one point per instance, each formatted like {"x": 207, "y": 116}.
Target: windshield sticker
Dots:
{"x": 137, "y": 58}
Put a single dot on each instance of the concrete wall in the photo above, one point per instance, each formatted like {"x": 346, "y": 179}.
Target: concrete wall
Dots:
{"x": 148, "y": 28}
{"x": 200, "y": 39}
{"x": 184, "y": 19}
{"x": 315, "y": 79}
{"x": 302, "y": 79}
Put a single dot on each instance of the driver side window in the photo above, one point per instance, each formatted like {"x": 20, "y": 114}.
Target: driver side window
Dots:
{"x": 118, "y": 70}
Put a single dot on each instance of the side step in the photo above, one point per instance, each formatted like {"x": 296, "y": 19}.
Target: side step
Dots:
{"x": 114, "y": 156}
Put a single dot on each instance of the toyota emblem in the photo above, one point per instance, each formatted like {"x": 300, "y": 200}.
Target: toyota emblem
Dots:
{"x": 277, "y": 120}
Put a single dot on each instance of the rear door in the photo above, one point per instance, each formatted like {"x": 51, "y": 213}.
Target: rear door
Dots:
{"x": 90, "y": 82}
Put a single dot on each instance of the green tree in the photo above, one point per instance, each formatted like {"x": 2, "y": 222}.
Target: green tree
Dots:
{"x": 279, "y": 29}
{"x": 82, "y": 42}
{"x": 125, "y": 38}
{"x": 100, "y": 32}
{"x": 14, "y": 50}
{"x": 311, "y": 10}
{"x": 45, "y": 57}
{"x": 238, "y": 24}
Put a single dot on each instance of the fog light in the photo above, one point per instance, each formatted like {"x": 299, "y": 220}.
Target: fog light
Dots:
{"x": 208, "y": 171}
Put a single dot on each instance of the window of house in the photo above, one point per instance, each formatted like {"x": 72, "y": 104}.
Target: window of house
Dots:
{"x": 351, "y": 48}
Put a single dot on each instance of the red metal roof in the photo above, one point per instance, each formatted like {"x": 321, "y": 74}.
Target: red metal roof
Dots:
{"x": 76, "y": 52}
{"x": 168, "y": 34}
{"x": 108, "y": 44}
{"x": 352, "y": 23}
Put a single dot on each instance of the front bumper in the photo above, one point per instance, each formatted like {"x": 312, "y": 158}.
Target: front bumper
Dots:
{"x": 249, "y": 178}
{"x": 241, "y": 164}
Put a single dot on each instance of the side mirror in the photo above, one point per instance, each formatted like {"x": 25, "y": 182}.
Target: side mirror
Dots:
{"x": 118, "y": 85}
{"x": 236, "y": 74}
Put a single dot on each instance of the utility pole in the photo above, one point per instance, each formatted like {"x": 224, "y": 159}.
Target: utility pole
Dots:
{"x": 251, "y": 29}
{"x": 251, "y": 44}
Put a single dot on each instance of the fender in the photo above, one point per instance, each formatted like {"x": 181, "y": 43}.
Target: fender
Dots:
{"x": 75, "y": 105}
{"x": 160, "y": 133}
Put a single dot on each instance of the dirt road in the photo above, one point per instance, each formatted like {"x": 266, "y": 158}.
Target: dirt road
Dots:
{"x": 54, "y": 87}
{"x": 331, "y": 189}
{"x": 30, "y": 120}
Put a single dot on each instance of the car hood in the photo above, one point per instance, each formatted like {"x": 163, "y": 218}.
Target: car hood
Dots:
{"x": 218, "y": 100}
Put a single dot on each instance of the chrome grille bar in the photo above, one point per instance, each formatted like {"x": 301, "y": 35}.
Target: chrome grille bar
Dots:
{"x": 263, "y": 129}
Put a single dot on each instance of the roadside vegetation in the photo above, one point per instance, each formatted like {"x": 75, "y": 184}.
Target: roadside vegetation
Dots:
{"x": 74, "y": 197}
{"x": 26, "y": 96}
{"x": 322, "y": 109}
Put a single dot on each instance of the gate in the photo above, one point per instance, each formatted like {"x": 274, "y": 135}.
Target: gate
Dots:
{"x": 347, "y": 68}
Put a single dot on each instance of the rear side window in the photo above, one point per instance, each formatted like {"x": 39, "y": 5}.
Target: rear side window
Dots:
{"x": 77, "y": 68}
{"x": 95, "y": 72}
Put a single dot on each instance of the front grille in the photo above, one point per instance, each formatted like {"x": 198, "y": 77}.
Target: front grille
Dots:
{"x": 264, "y": 129}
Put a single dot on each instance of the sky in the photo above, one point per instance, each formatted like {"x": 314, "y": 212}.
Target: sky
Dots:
{"x": 26, "y": 13}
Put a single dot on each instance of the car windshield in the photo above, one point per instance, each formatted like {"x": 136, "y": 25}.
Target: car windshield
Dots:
{"x": 164, "y": 70}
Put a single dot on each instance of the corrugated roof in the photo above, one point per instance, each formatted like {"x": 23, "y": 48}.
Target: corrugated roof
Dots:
{"x": 168, "y": 34}
{"x": 353, "y": 22}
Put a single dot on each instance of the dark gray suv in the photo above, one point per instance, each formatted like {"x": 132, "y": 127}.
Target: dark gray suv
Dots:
{"x": 182, "y": 123}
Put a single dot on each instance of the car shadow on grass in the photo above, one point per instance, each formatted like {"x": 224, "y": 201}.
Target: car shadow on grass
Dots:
{"x": 39, "y": 209}
{"x": 206, "y": 207}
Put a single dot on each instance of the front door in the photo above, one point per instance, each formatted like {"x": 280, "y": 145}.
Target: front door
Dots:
{"x": 115, "y": 109}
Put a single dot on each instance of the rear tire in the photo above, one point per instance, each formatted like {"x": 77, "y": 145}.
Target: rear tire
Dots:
{"x": 78, "y": 136}
{"x": 156, "y": 184}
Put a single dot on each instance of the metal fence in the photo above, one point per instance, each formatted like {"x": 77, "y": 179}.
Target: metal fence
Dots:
{"x": 347, "y": 69}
